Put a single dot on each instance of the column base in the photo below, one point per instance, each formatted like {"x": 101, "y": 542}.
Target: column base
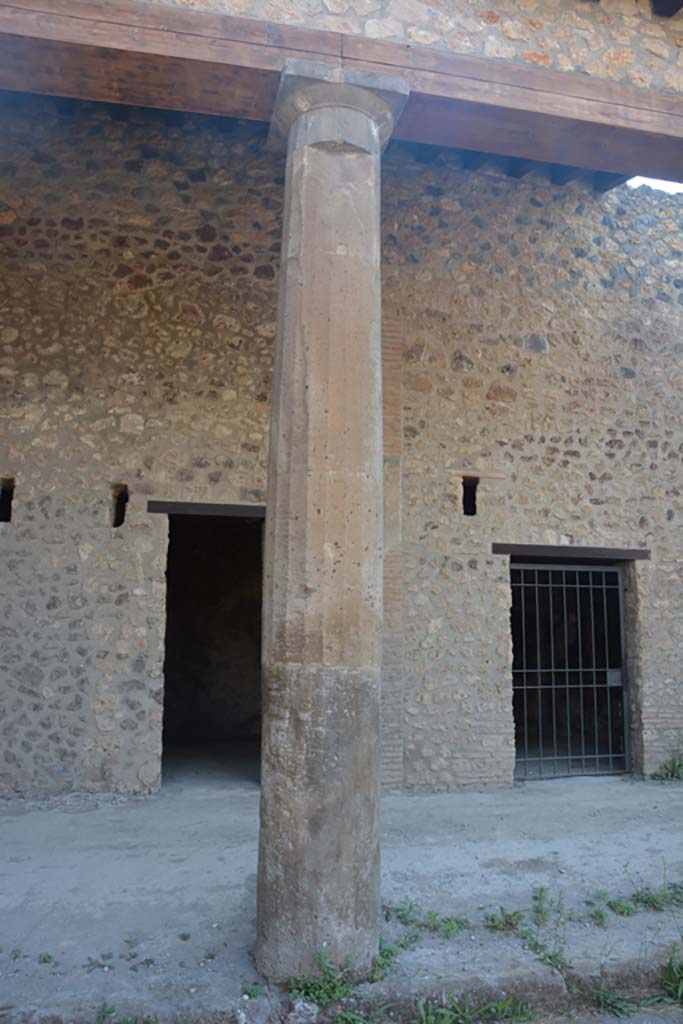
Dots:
{"x": 318, "y": 881}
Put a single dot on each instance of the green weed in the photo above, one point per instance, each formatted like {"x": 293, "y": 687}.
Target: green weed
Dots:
{"x": 612, "y": 1002}
{"x": 551, "y": 953}
{"x": 463, "y": 1010}
{"x": 545, "y": 938}
{"x": 407, "y": 912}
{"x": 665, "y": 897}
{"x": 107, "y": 1013}
{"x": 252, "y": 991}
{"x": 540, "y": 906}
{"x": 384, "y": 960}
{"x": 147, "y": 962}
{"x": 671, "y": 770}
{"x": 672, "y": 979}
{"x": 504, "y": 920}
{"x": 447, "y": 926}
{"x": 373, "y": 1016}
{"x": 102, "y": 963}
{"x": 323, "y": 989}
{"x": 467, "y": 1012}
{"x": 623, "y": 908}
{"x": 450, "y": 926}
{"x": 428, "y": 1013}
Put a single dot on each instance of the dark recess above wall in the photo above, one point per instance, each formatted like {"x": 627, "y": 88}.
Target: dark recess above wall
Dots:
{"x": 666, "y": 8}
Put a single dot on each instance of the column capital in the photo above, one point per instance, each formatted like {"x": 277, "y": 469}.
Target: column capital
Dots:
{"x": 308, "y": 86}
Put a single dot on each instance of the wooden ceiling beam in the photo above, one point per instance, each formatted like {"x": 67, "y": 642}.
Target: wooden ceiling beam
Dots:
{"x": 148, "y": 54}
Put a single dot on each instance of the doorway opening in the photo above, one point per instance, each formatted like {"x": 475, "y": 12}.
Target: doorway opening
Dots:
{"x": 569, "y": 670}
{"x": 212, "y": 667}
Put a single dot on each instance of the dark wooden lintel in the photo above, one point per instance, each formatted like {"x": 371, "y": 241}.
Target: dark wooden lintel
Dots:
{"x": 569, "y": 553}
{"x": 202, "y": 508}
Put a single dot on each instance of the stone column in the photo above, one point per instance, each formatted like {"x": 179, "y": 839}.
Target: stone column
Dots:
{"x": 318, "y": 874}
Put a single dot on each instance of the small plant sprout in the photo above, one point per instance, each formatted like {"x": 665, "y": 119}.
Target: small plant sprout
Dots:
{"x": 432, "y": 921}
{"x": 672, "y": 769}
{"x": 251, "y": 991}
{"x": 451, "y": 926}
{"x": 612, "y": 1002}
{"x": 504, "y": 920}
{"x": 388, "y": 953}
{"x": 351, "y": 1017}
{"x": 540, "y": 906}
{"x": 464, "y": 1010}
{"x": 331, "y": 984}
{"x": 672, "y": 979}
{"x": 407, "y": 912}
{"x": 623, "y": 908}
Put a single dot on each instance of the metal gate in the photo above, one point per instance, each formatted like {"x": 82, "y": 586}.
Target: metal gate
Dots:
{"x": 569, "y": 679}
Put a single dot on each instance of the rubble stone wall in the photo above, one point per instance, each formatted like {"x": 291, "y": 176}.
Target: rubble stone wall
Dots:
{"x": 536, "y": 338}
{"x": 137, "y": 316}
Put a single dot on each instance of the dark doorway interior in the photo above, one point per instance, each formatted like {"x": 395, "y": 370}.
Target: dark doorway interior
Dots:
{"x": 569, "y": 681}
{"x": 212, "y": 669}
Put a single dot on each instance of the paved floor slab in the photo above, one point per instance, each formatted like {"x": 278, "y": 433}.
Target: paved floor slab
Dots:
{"x": 147, "y": 905}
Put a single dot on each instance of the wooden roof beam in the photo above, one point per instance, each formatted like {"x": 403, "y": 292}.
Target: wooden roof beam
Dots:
{"x": 151, "y": 54}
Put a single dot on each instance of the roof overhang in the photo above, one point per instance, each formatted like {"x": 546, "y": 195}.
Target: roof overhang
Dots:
{"x": 142, "y": 54}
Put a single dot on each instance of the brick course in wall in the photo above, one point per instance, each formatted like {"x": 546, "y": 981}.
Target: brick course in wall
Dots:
{"x": 530, "y": 331}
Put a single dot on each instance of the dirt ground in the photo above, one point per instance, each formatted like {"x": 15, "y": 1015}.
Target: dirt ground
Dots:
{"x": 145, "y": 907}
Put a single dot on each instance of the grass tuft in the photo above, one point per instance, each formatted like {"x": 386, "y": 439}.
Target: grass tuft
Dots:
{"x": 672, "y": 979}
{"x": 671, "y": 770}
{"x": 504, "y": 920}
{"x": 331, "y": 984}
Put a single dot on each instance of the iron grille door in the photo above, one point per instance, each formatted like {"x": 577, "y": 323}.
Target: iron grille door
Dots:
{"x": 568, "y": 670}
